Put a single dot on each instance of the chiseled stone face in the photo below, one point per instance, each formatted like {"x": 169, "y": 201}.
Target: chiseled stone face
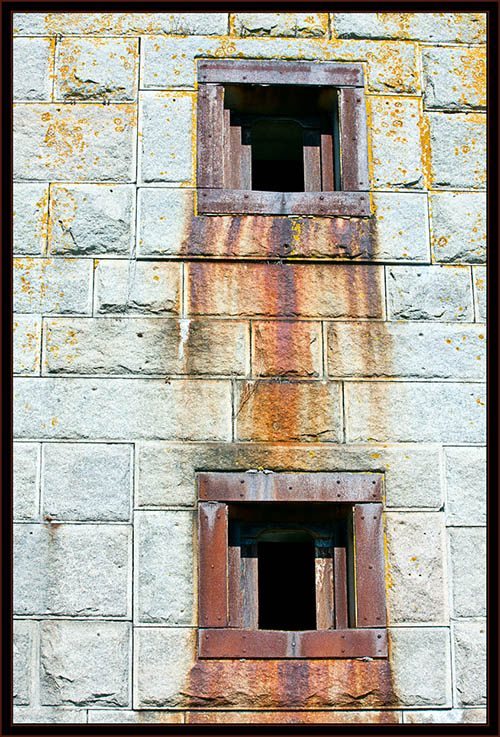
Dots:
{"x": 281, "y": 24}
{"x": 32, "y": 68}
{"x": 22, "y": 657}
{"x": 437, "y": 27}
{"x": 27, "y": 335}
{"x": 429, "y": 293}
{"x": 30, "y": 218}
{"x": 26, "y": 469}
{"x": 421, "y": 665}
{"x": 458, "y": 150}
{"x": 458, "y": 226}
{"x": 44, "y": 285}
{"x": 454, "y": 78}
{"x": 468, "y": 553}
{"x": 133, "y": 287}
{"x": 166, "y": 120}
{"x": 466, "y": 485}
{"x": 479, "y": 283}
{"x": 470, "y": 662}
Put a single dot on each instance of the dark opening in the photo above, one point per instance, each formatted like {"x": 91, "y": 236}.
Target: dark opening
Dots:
{"x": 277, "y": 156}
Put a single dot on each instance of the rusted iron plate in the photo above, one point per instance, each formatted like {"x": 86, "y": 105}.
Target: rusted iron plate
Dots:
{"x": 210, "y": 135}
{"x": 213, "y": 524}
{"x": 221, "y": 201}
{"x": 312, "y": 168}
{"x": 325, "y": 615}
{"x": 327, "y": 174}
{"x": 340, "y": 587}
{"x": 243, "y": 71}
{"x": 234, "y": 587}
{"x": 232, "y": 643}
{"x": 290, "y": 487}
{"x": 370, "y": 643}
{"x": 370, "y": 566}
{"x": 353, "y": 140}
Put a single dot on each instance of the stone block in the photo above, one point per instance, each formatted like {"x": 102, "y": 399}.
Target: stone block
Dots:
{"x": 421, "y": 666}
{"x": 135, "y": 287}
{"x": 97, "y": 69}
{"x": 457, "y": 150}
{"x": 33, "y": 60}
{"x": 157, "y": 651}
{"x": 30, "y": 218}
{"x": 72, "y": 570}
{"x": 280, "y": 24}
{"x": 468, "y": 568}
{"x": 216, "y": 716}
{"x": 163, "y": 567}
{"x": 458, "y": 226}
{"x": 444, "y": 412}
{"x": 397, "y": 349}
{"x": 22, "y": 659}
{"x": 465, "y": 486}
{"x": 128, "y": 716}
{"x": 117, "y": 345}
{"x": 166, "y": 120}
{"x": 415, "y": 576}
{"x": 26, "y": 467}
{"x": 74, "y": 142}
{"x": 470, "y": 662}
{"x": 86, "y": 481}
{"x": 119, "y": 24}
{"x": 288, "y": 410}
{"x": 438, "y": 27}
{"x": 445, "y": 716}
{"x": 49, "y": 715}
{"x": 122, "y": 409}
{"x": 52, "y": 285}
{"x": 454, "y": 77}
{"x": 401, "y": 226}
{"x": 164, "y": 221}
{"x": 285, "y": 348}
{"x": 27, "y": 334}
{"x": 277, "y": 290}
{"x": 394, "y": 130}
{"x": 90, "y": 219}
{"x": 479, "y": 282}
{"x": 85, "y": 663}
{"x": 430, "y": 293}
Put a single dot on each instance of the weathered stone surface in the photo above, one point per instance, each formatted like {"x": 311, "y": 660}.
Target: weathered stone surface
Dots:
{"x": 284, "y": 290}
{"x": 289, "y": 410}
{"x": 27, "y": 331}
{"x": 157, "y": 651}
{"x": 280, "y": 24}
{"x": 122, "y": 409}
{"x": 72, "y": 570}
{"x": 47, "y": 285}
{"x": 136, "y": 287}
{"x": 86, "y": 481}
{"x": 465, "y": 486}
{"x": 128, "y": 716}
{"x": 22, "y": 656}
{"x": 445, "y": 716}
{"x": 430, "y": 293}
{"x": 126, "y": 24}
{"x": 458, "y": 226}
{"x": 411, "y": 412}
{"x": 163, "y": 567}
{"x": 421, "y": 666}
{"x": 166, "y": 136}
{"x": 97, "y": 69}
{"x": 479, "y": 282}
{"x": 402, "y": 229}
{"x": 30, "y": 218}
{"x": 284, "y": 348}
{"x": 370, "y": 349}
{"x": 49, "y": 715}
{"x": 458, "y": 150}
{"x": 90, "y": 219}
{"x": 470, "y": 662}
{"x": 468, "y": 567}
{"x": 26, "y": 467}
{"x": 216, "y": 716}
{"x": 144, "y": 346}
{"x": 32, "y": 68}
{"x": 74, "y": 142}
{"x": 85, "y": 663}
{"x": 446, "y": 27}
{"x": 394, "y": 129}
{"x": 454, "y": 78}
{"x": 415, "y": 577}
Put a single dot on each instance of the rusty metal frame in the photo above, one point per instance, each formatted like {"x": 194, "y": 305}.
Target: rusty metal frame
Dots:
{"x": 220, "y": 180}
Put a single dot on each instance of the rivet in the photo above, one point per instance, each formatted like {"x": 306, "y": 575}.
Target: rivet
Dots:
{"x": 218, "y": 617}
{"x": 212, "y": 566}
{"x": 206, "y": 637}
{"x": 343, "y": 651}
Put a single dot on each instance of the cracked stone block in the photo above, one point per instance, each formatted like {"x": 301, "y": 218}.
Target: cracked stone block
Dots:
{"x": 49, "y": 715}
{"x": 166, "y": 136}
{"x": 479, "y": 281}
{"x": 394, "y": 130}
{"x": 421, "y": 665}
{"x": 84, "y": 663}
{"x": 127, "y": 716}
{"x": 32, "y": 68}
{"x": 86, "y": 481}
{"x": 470, "y": 662}
{"x": 466, "y": 485}
{"x": 97, "y": 69}
{"x": 22, "y": 656}
{"x": 164, "y": 567}
{"x": 438, "y": 27}
{"x": 402, "y": 229}
{"x": 90, "y": 219}
{"x": 468, "y": 566}
{"x": 26, "y": 467}
{"x": 454, "y": 78}
{"x": 430, "y": 293}
{"x": 135, "y": 287}
{"x": 27, "y": 331}
{"x": 45, "y": 285}
{"x": 445, "y": 716}
{"x": 299, "y": 350}
{"x": 71, "y": 570}
{"x": 458, "y": 150}
{"x": 117, "y": 24}
{"x": 74, "y": 142}
{"x": 30, "y": 219}
{"x": 281, "y": 24}
{"x": 458, "y": 226}
{"x": 415, "y": 577}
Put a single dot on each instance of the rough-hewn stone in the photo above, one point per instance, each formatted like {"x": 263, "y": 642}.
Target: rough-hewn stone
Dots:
{"x": 85, "y": 663}
{"x": 72, "y": 570}
{"x": 465, "y": 486}
{"x": 22, "y": 657}
{"x": 470, "y": 662}
{"x": 32, "y": 68}
{"x": 116, "y": 24}
{"x": 280, "y": 24}
{"x": 402, "y": 228}
{"x": 429, "y": 293}
{"x": 27, "y": 331}
{"x": 468, "y": 571}
{"x": 420, "y": 665}
{"x": 216, "y": 716}
{"x": 137, "y": 287}
{"x": 457, "y": 150}
{"x": 394, "y": 130}
{"x": 445, "y": 716}
{"x": 166, "y": 120}
{"x": 49, "y": 715}
{"x": 438, "y": 27}
{"x": 454, "y": 78}
{"x": 47, "y": 285}
{"x": 479, "y": 282}
{"x": 26, "y": 468}
{"x": 285, "y": 348}
{"x": 30, "y": 219}
{"x": 458, "y": 226}
{"x": 86, "y": 481}
{"x": 163, "y": 567}
{"x": 128, "y": 716}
